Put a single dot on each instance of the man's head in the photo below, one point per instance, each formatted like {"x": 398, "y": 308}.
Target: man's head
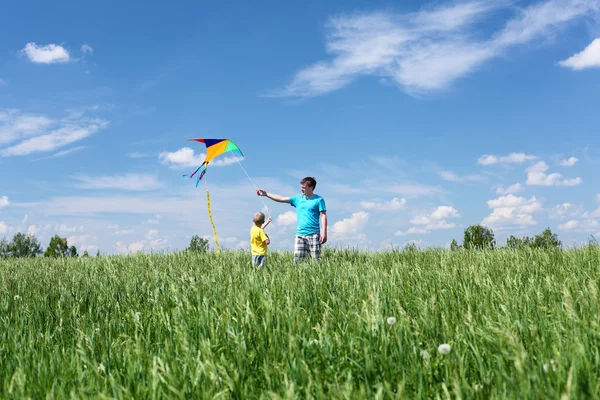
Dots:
{"x": 259, "y": 218}
{"x": 307, "y": 185}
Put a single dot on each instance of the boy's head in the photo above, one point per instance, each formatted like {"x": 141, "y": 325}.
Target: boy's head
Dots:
{"x": 259, "y": 218}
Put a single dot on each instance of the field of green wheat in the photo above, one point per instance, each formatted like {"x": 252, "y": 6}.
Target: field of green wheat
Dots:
{"x": 398, "y": 324}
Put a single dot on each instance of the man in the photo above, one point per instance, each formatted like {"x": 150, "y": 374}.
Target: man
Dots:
{"x": 311, "y": 231}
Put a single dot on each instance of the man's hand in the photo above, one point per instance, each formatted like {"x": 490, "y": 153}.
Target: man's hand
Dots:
{"x": 261, "y": 192}
{"x": 323, "y": 238}
{"x": 269, "y": 219}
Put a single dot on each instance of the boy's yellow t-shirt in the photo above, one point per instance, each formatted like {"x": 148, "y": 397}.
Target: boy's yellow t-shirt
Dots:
{"x": 257, "y": 241}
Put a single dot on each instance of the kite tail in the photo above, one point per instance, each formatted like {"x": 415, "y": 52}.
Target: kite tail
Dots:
{"x": 210, "y": 216}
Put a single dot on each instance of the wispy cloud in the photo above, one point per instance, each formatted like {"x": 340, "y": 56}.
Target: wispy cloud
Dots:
{"x": 4, "y": 201}
{"x": 587, "y": 58}
{"x": 536, "y": 176}
{"x": 47, "y": 54}
{"x": 134, "y": 182}
{"x": 512, "y": 158}
{"x": 3, "y": 227}
{"x": 38, "y": 133}
{"x": 87, "y": 49}
{"x": 393, "y": 205}
{"x": 429, "y": 49}
{"x": 512, "y": 189}
{"x": 452, "y": 177}
{"x": 68, "y": 151}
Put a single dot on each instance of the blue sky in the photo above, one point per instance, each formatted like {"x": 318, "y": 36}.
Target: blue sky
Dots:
{"x": 417, "y": 119}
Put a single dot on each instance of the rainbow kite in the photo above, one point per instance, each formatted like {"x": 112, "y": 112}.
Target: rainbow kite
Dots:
{"x": 214, "y": 148}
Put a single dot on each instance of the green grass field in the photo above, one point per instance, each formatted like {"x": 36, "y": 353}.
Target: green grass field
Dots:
{"x": 520, "y": 324}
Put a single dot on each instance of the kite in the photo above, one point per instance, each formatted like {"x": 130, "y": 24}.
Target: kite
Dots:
{"x": 214, "y": 148}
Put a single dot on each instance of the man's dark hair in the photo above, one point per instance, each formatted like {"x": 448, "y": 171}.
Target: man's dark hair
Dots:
{"x": 310, "y": 181}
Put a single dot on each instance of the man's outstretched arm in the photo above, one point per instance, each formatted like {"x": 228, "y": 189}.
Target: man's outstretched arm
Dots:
{"x": 274, "y": 197}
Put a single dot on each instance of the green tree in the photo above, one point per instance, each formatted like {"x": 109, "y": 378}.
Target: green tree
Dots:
{"x": 4, "y": 251}
{"x": 454, "y": 245}
{"x": 547, "y": 240}
{"x": 198, "y": 244}
{"x": 85, "y": 254}
{"x": 58, "y": 247}
{"x": 479, "y": 237}
{"x": 23, "y": 245}
{"x": 73, "y": 251}
{"x": 98, "y": 253}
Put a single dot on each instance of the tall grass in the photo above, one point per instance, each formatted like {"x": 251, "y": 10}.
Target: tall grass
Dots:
{"x": 520, "y": 324}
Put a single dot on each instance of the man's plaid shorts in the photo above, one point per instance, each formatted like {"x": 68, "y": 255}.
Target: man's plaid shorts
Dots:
{"x": 307, "y": 244}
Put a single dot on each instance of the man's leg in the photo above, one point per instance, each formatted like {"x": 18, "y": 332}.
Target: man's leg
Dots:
{"x": 314, "y": 244}
{"x": 300, "y": 248}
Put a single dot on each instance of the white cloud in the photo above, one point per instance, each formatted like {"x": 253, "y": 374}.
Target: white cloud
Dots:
{"x": 130, "y": 248}
{"x": 352, "y": 225}
{"x": 516, "y": 188}
{"x": 3, "y": 227}
{"x": 429, "y": 49}
{"x": 512, "y": 158}
{"x": 185, "y": 157}
{"x": 512, "y": 210}
{"x": 412, "y": 231}
{"x": 437, "y": 216}
{"x": 134, "y": 182}
{"x": 392, "y": 205}
{"x": 123, "y": 232}
{"x": 560, "y": 210}
{"x": 87, "y": 49}
{"x": 286, "y": 219}
{"x": 62, "y": 228}
{"x": 536, "y": 175}
{"x": 48, "y": 54}
{"x": 452, "y": 177}
{"x": 569, "y": 225}
{"x": 587, "y": 58}
{"x": 39, "y": 133}
{"x": 568, "y": 162}
{"x": 4, "y": 201}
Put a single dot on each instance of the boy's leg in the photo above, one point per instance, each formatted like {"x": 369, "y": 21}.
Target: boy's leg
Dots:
{"x": 300, "y": 248}
{"x": 315, "y": 246}
{"x": 261, "y": 261}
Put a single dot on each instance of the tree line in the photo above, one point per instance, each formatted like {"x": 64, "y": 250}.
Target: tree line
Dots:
{"x": 475, "y": 237}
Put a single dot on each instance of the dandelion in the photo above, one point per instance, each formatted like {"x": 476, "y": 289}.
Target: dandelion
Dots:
{"x": 425, "y": 355}
{"x": 97, "y": 329}
{"x": 314, "y": 342}
{"x": 101, "y": 368}
{"x": 138, "y": 315}
{"x": 391, "y": 321}
{"x": 478, "y": 387}
{"x": 444, "y": 348}
{"x": 17, "y": 297}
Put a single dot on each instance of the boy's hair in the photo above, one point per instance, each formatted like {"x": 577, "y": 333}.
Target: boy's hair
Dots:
{"x": 259, "y": 218}
{"x": 310, "y": 181}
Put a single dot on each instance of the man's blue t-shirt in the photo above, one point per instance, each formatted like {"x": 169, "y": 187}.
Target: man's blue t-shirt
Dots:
{"x": 307, "y": 213}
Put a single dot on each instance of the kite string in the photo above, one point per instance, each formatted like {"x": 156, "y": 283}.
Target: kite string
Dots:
{"x": 238, "y": 161}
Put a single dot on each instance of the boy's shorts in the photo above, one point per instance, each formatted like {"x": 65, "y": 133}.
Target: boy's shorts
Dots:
{"x": 258, "y": 261}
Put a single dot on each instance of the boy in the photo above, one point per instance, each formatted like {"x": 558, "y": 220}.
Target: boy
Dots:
{"x": 259, "y": 239}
